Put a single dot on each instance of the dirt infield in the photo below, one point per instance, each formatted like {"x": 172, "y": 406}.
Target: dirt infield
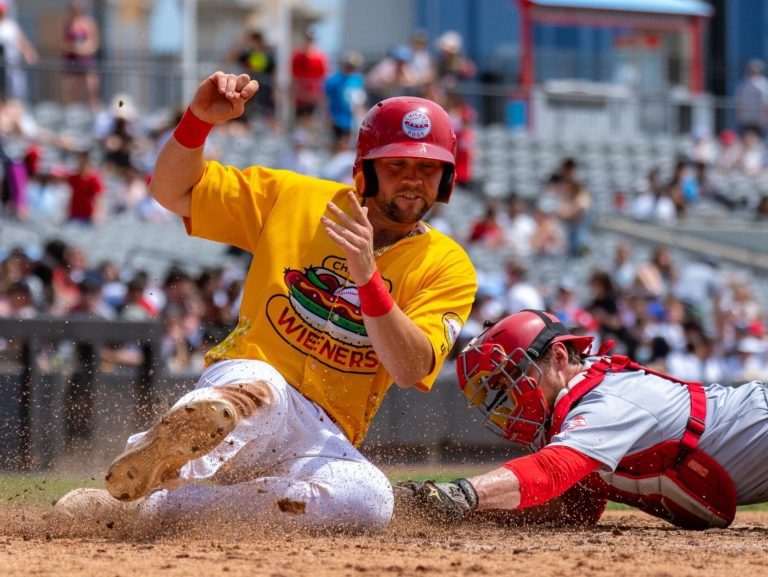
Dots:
{"x": 623, "y": 543}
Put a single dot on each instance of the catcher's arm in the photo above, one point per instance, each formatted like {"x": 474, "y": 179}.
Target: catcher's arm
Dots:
{"x": 522, "y": 483}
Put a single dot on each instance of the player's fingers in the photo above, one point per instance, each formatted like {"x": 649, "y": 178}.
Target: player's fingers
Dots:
{"x": 358, "y": 213}
{"x": 219, "y": 79}
{"x": 251, "y": 88}
{"x": 341, "y": 241}
{"x": 342, "y": 216}
{"x": 231, "y": 91}
{"x": 352, "y": 237}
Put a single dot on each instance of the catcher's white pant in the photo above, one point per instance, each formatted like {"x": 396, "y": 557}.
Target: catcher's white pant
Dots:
{"x": 288, "y": 462}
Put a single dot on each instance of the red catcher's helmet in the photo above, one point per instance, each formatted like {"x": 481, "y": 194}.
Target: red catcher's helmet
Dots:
{"x": 405, "y": 127}
{"x": 498, "y": 374}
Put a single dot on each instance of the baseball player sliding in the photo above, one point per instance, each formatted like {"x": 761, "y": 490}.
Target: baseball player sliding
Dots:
{"x": 602, "y": 428}
{"x": 349, "y": 290}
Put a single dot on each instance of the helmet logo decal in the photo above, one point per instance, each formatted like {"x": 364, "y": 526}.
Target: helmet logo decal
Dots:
{"x": 416, "y": 124}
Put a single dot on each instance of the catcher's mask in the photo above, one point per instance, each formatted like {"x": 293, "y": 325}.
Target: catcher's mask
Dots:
{"x": 498, "y": 374}
{"x": 405, "y": 127}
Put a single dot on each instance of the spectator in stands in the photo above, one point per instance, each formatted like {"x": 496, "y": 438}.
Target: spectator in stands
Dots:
{"x": 748, "y": 361}
{"x": 752, "y": 160}
{"x": 682, "y": 187}
{"x": 91, "y": 302}
{"x": 308, "y": 69}
{"x": 738, "y": 311}
{"x": 605, "y": 307}
{"x": 704, "y": 146}
{"x": 657, "y": 276}
{"x": 573, "y": 212}
{"x": 257, "y": 59}
{"x": 175, "y": 350}
{"x": 135, "y": 307}
{"x": 653, "y": 203}
{"x": 522, "y": 294}
{"x": 452, "y": 66}
{"x": 18, "y": 302}
{"x": 81, "y": 42}
{"x": 301, "y": 155}
{"x": 699, "y": 286}
{"x": 463, "y": 117}
{"x": 751, "y": 99}
{"x": 338, "y": 167}
{"x": 118, "y": 133}
{"x": 565, "y": 173}
{"x": 346, "y": 97}
{"x": 86, "y": 188}
{"x": 709, "y": 190}
{"x": 566, "y": 305}
{"x": 547, "y": 238}
{"x": 624, "y": 269}
{"x": 15, "y": 51}
{"x": 698, "y": 362}
{"x": 518, "y": 225}
{"x": 729, "y": 156}
{"x": 392, "y": 75}
{"x": 13, "y": 186}
{"x": 666, "y": 322}
{"x": 487, "y": 230}
{"x": 422, "y": 61}
{"x": 113, "y": 290}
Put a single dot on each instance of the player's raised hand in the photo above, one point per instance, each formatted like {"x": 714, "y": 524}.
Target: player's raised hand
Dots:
{"x": 354, "y": 235}
{"x": 222, "y": 97}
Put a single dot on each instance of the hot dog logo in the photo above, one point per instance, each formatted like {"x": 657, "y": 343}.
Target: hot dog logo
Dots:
{"x": 320, "y": 296}
{"x": 321, "y": 316}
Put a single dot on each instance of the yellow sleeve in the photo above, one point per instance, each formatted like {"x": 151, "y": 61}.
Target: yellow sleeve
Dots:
{"x": 442, "y": 306}
{"x": 231, "y": 205}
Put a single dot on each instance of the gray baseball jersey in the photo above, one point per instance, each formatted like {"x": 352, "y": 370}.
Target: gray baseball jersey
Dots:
{"x": 633, "y": 411}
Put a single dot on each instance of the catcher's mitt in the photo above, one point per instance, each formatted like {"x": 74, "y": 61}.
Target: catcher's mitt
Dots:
{"x": 449, "y": 502}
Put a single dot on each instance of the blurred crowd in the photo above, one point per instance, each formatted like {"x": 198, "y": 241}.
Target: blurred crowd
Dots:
{"x": 196, "y": 310}
{"x": 693, "y": 320}
{"x": 687, "y": 318}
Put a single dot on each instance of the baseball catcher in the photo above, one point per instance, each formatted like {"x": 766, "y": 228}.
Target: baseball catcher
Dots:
{"x": 601, "y": 428}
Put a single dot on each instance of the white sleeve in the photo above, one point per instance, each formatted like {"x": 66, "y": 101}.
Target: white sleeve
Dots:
{"x": 607, "y": 427}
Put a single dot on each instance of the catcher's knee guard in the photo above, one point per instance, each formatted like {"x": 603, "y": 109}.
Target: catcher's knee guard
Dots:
{"x": 187, "y": 431}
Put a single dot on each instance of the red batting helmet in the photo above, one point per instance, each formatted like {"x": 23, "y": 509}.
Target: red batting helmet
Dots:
{"x": 494, "y": 372}
{"x": 405, "y": 127}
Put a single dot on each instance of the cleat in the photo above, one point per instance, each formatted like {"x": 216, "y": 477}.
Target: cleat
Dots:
{"x": 183, "y": 434}
{"x": 94, "y": 506}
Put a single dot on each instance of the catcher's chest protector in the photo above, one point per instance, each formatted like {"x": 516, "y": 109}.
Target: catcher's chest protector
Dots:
{"x": 674, "y": 480}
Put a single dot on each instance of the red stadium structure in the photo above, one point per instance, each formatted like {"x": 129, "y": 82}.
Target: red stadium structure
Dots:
{"x": 686, "y": 17}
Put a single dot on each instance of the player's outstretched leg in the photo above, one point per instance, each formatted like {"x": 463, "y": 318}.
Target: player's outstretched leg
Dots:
{"x": 192, "y": 428}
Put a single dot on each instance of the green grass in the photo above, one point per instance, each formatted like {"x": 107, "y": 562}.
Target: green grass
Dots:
{"x": 38, "y": 490}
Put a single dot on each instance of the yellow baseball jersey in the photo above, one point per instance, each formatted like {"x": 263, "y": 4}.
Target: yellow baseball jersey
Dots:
{"x": 300, "y": 311}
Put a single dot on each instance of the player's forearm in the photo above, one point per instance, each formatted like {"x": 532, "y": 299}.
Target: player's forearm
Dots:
{"x": 177, "y": 170}
{"x": 402, "y": 347}
{"x": 497, "y": 489}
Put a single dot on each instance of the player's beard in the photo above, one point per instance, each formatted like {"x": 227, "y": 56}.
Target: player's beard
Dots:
{"x": 403, "y": 216}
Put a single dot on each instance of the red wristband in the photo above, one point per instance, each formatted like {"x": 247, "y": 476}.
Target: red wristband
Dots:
{"x": 191, "y": 131}
{"x": 375, "y": 300}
